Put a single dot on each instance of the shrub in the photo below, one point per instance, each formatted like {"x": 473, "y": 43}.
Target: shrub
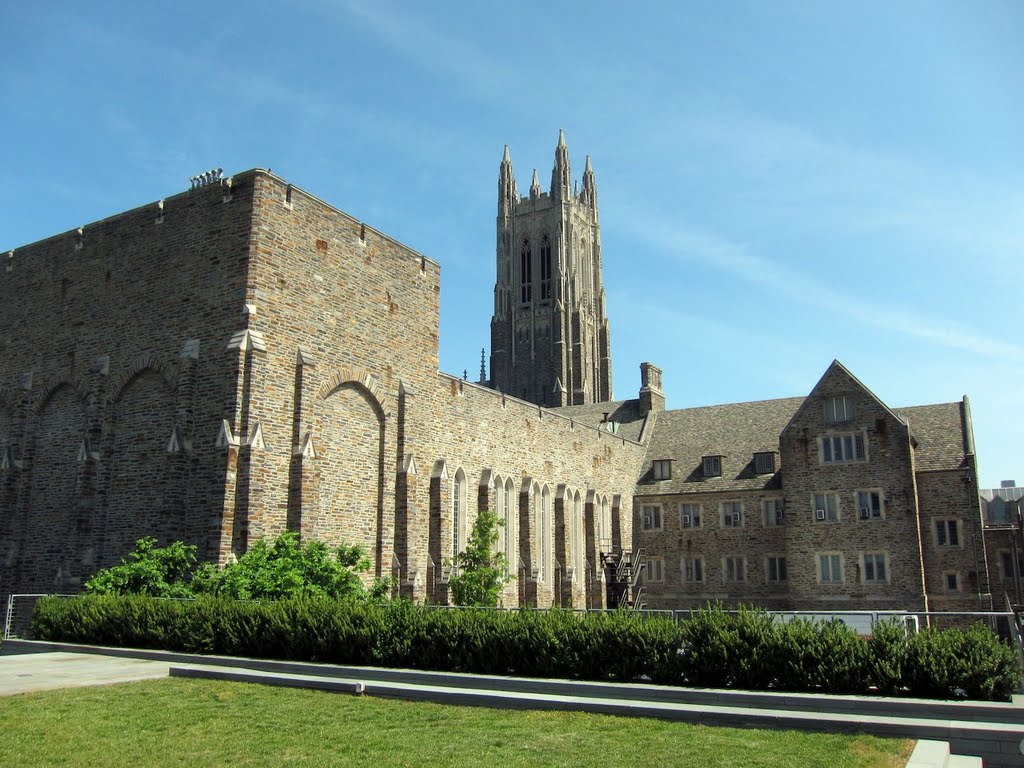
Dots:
{"x": 887, "y": 656}
{"x": 710, "y": 644}
{"x": 711, "y": 648}
{"x": 148, "y": 570}
{"x": 953, "y": 663}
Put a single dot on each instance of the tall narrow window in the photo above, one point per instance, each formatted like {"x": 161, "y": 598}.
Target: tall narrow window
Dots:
{"x": 457, "y": 512}
{"x": 545, "y": 269}
{"x": 577, "y": 514}
{"x": 510, "y": 528}
{"x": 525, "y": 272}
{"x": 542, "y": 536}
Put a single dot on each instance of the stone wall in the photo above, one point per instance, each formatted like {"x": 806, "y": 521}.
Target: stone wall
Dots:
{"x": 113, "y": 349}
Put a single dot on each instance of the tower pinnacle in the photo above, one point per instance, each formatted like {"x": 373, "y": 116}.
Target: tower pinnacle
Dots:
{"x": 589, "y": 187}
{"x": 507, "y": 194}
{"x": 561, "y": 176}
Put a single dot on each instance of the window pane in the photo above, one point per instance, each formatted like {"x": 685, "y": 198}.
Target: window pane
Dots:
{"x": 826, "y": 450}
{"x": 940, "y": 532}
{"x": 954, "y": 535}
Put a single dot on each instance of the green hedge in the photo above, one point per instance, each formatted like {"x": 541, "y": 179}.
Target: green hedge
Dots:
{"x": 715, "y": 649}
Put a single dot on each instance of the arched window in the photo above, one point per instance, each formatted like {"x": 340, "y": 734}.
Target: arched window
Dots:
{"x": 545, "y": 269}
{"x": 577, "y": 525}
{"x": 606, "y": 525}
{"x": 510, "y": 525}
{"x": 526, "y": 272}
{"x": 458, "y": 513}
{"x": 542, "y": 534}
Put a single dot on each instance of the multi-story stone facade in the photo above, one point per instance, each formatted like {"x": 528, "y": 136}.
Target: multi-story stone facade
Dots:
{"x": 243, "y": 359}
{"x": 828, "y": 501}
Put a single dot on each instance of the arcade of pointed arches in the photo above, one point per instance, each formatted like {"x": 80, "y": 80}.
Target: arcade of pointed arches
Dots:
{"x": 547, "y": 532}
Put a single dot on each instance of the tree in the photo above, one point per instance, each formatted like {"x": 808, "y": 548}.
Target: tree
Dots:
{"x": 480, "y": 572}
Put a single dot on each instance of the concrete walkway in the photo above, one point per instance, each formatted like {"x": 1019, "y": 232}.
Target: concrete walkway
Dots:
{"x": 45, "y": 671}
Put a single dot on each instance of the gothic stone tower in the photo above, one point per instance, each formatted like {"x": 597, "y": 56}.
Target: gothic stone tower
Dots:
{"x": 549, "y": 334}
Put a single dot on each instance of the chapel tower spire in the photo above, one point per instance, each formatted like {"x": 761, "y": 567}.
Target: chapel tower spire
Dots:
{"x": 550, "y": 341}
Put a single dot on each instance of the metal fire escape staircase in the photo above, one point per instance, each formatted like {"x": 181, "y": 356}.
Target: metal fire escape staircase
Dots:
{"x": 623, "y": 571}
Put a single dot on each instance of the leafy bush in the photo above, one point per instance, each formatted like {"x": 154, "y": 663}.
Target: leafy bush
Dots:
{"x": 148, "y": 570}
{"x": 271, "y": 570}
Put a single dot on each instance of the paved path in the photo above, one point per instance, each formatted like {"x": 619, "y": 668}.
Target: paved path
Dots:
{"x": 43, "y": 671}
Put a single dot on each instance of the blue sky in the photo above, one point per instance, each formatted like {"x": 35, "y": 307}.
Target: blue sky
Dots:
{"x": 780, "y": 184}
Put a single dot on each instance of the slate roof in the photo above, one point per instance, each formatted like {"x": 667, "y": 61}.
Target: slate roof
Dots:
{"x": 736, "y": 432}
{"x": 939, "y": 434}
{"x": 626, "y": 413}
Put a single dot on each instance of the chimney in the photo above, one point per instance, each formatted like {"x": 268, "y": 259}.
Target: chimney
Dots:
{"x": 651, "y": 396}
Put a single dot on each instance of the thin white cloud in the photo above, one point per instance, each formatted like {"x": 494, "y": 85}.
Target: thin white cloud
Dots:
{"x": 785, "y": 170}
{"x": 738, "y": 260}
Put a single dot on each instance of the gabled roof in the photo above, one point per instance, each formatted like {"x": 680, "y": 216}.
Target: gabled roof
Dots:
{"x": 736, "y": 432}
{"x": 838, "y": 368}
{"x": 625, "y": 413}
{"x": 938, "y": 432}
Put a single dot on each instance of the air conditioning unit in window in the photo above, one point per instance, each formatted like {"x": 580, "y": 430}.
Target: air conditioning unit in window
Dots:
{"x": 686, "y": 521}
{"x": 735, "y": 518}
{"x": 778, "y": 517}
{"x": 865, "y": 513}
{"x": 819, "y": 514}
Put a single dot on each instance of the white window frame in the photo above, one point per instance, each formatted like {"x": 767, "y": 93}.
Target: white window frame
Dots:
{"x": 696, "y": 568}
{"x": 872, "y": 559}
{"x": 774, "y": 512}
{"x": 737, "y": 566}
{"x": 781, "y": 574}
{"x": 662, "y": 469}
{"x": 733, "y": 518}
{"x": 943, "y": 539}
{"x": 839, "y": 409}
{"x": 654, "y": 573}
{"x": 832, "y": 564}
{"x": 652, "y": 520}
{"x": 872, "y": 495}
{"x": 827, "y": 502}
{"x": 693, "y": 512}
{"x": 843, "y": 448}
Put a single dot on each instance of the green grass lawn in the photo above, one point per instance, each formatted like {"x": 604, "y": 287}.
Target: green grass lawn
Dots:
{"x": 178, "y": 722}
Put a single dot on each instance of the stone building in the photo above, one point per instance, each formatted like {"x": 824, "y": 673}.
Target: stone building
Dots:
{"x": 242, "y": 359}
{"x": 1004, "y": 535}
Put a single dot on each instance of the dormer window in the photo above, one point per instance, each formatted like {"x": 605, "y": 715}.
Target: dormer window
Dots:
{"x": 764, "y": 463}
{"x": 663, "y": 469}
{"x": 712, "y": 466}
{"x": 838, "y": 409}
